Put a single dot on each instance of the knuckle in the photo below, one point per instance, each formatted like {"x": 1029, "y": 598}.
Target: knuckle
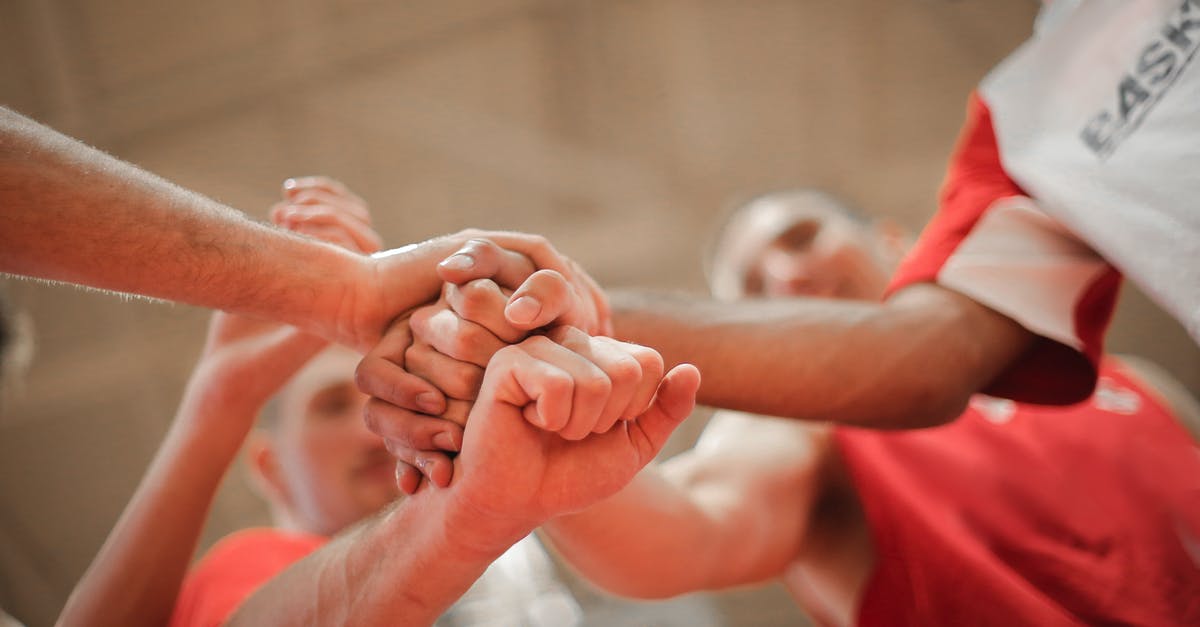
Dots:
{"x": 464, "y": 381}
{"x": 539, "y": 342}
{"x": 596, "y": 386}
{"x": 625, "y": 370}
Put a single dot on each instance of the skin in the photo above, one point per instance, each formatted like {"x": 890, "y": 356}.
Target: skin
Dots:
{"x": 135, "y": 578}
{"x": 74, "y": 214}
{"x": 767, "y": 498}
{"x": 407, "y": 566}
{"x": 316, "y": 464}
{"x": 322, "y": 470}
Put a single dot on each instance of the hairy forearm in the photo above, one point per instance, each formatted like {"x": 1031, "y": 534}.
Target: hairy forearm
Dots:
{"x": 136, "y": 577}
{"x": 913, "y": 361}
{"x": 404, "y": 567}
{"x": 72, "y": 213}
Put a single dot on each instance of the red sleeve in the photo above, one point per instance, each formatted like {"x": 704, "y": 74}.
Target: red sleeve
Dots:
{"x": 991, "y": 242}
{"x": 234, "y": 568}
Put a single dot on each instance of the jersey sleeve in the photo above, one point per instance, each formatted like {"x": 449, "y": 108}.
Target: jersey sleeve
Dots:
{"x": 991, "y": 242}
{"x": 235, "y": 567}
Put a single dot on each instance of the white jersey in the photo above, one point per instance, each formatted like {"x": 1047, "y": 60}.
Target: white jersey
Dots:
{"x": 1098, "y": 119}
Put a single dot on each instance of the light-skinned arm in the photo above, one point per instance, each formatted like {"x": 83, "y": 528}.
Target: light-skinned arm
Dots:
{"x": 136, "y": 576}
{"x": 71, "y": 213}
{"x": 745, "y": 494}
{"x": 407, "y": 566}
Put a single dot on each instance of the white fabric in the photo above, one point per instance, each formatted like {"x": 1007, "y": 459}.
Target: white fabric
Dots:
{"x": 1021, "y": 263}
{"x": 1098, "y": 118}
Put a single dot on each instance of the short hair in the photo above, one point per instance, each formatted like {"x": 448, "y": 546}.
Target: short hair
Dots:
{"x": 730, "y": 253}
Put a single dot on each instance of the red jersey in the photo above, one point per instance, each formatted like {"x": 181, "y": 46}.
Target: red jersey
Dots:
{"x": 233, "y": 569}
{"x": 1026, "y": 515}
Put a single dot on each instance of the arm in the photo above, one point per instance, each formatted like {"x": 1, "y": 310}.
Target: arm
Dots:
{"x": 72, "y": 213}
{"x": 909, "y": 362}
{"x": 135, "y": 578}
{"x": 745, "y": 493}
{"x": 407, "y": 566}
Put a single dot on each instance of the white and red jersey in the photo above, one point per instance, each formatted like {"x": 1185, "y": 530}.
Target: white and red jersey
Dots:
{"x": 1080, "y": 156}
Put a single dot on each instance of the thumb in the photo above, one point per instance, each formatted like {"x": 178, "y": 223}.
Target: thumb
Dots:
{"x": 673, "y": 402}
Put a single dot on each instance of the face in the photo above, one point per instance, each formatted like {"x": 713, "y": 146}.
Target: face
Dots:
{"x": 333, "y": 470}
{"x": 822, "y": 254}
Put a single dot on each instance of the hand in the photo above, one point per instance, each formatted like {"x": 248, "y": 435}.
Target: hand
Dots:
{"x": 452, "y": 341}
{"x": 246, "y": 360}
{"x": 527, "y": 455}
{"x": 560, "y": 294}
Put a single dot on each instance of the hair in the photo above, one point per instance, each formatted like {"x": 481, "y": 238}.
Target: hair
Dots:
{"x": 728, "y": 255}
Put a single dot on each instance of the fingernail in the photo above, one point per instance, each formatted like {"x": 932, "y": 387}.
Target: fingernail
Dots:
{"x": 429, "y": 403}
{"x": 523, "y": 310}
{"x": 459, "y": 261}
{"x": 444, "y": 441}
{"x": 290, "y": 184}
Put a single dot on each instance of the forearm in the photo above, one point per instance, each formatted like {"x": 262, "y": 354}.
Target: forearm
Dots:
{"x": 72, "y": 213}
{"x": 136, "y": 577}
{"x": 913, "y": 361}
{"x": 642, "y": 542}
{"x": 404, "y": 567}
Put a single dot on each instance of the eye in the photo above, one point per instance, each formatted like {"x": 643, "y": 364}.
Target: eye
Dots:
{"x": 798, "y": 237}
{"x": 332, "y": 402}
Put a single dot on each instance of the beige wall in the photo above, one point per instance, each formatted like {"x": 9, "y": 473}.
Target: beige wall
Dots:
{"x": 621, "y": 129}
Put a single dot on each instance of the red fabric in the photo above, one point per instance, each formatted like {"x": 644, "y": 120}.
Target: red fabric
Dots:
{"x": 1054, "y": 516}
{"x": 975, "y": 179}
{"x": 1049, "y": 372}
{"x": 233, "y": 569}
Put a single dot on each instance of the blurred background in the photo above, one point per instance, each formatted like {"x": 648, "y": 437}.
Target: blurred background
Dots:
{"x": 623, "y": 130}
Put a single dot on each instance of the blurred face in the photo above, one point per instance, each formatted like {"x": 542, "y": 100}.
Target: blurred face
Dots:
{"x": 823, "y": 254}
{"x": 333, "y": 470}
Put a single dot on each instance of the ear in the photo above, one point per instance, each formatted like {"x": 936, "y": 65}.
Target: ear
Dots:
{"x": 266, "y": 476}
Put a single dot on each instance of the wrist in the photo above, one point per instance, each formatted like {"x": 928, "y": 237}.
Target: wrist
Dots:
{"x": 476, "y": 533}
{"x": 396, "y": 281}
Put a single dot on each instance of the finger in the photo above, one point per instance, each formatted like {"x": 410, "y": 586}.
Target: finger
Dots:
{"x": 296, "y": 216}
{"x": 381, "y": 375}
{"x": 456, "y": 379}
{"x": 295, "y": 186}
{"x": 624, "y": 372}
{"x": 483, "y": 259}
{"x": 535, "y": 248}
{"x": 408, "y": 478}
{"x": 650, "y": 363}
{"x": 437, "y": 467}
{"x": 457, "y": 412}
{"x": 541, "y": 299}
{"x": 454, "y": 337}
{"x": 673, "y": 403}
{"x": 409, "y": 430}
{"x": 482, "y": 301}
{"x": 590, "y": 388}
